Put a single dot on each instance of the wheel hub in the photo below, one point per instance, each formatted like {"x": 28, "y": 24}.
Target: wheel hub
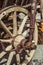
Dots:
{"x": 17, "y": 40}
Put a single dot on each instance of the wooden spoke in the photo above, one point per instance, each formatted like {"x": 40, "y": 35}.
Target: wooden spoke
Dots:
{"x": 3, "y": 53}
{"x": 22, "y": 2}
{"x": 18, "y": 59}
{"x": 5, "y": 41}
{"x": 16, "y": 1}
{"x": 25, "y": 33}
{"x": 4, "y": 3}
{"x": 10, "y": 58}
{"x": 26, "y": 1}
{"x": 14, "y": 24}
{"x": 5, "y": 28}
{"x": 28, "y": 5}
{"x": 22, "y": 24}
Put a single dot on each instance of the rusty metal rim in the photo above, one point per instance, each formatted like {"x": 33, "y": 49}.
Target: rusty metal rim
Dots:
{"x": 10, "y": 7}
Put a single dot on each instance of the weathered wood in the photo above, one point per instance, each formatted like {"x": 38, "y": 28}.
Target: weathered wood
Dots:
{"x": 10, "y": 57}
{"x": 6, "y": 41}
{"x": 3, "y": 53}
{"x": 5, "y": 2}
{"x": 5, "y": 28}
{"x": 42, "y": 4}
{"x": 22, "y": 24}
{"x": 15, "y": 24}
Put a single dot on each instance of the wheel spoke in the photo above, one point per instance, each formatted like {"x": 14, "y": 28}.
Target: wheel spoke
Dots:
{"x": 3, "y": 53}
{"x": 25, "y": 33}
{"x": 18, "y": 59}
{"x": 5, "y": 41}
{"x": 14, "y": 24}
{"x": 10, "y": 58}
{"x": 28, "y": 5}
{"x": 26, "y": 1}
{"x": 16, "y": 1}
{"x": 22, "y": 24}
{"x": 22, "y": 2}
{"x": 5, "y": 28}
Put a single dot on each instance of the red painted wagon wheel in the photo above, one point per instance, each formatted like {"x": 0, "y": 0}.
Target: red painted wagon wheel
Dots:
{"x": 18, "y": 42}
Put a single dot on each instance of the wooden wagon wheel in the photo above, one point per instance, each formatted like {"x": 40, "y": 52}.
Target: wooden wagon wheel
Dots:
{"x": 19, "y": 34}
